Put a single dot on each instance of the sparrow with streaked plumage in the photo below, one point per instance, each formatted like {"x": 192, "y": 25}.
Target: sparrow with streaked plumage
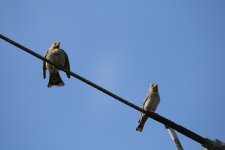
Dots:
{"x": 58, "y": 56}
{"x": 151, "y": 102}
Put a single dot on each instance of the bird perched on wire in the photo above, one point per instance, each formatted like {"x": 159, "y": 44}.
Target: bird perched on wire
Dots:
{"x": 58, "y": 56}
{"x": 150, "y": 104}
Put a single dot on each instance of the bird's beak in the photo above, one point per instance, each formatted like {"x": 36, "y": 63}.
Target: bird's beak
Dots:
{"x": 154, "y": 87}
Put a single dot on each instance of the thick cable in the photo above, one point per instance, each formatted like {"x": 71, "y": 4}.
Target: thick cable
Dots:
{"x": 154, "y": 116}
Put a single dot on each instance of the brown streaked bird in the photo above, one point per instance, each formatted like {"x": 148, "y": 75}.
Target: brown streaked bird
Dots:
{"x": 150, "y": 104}
{"x": 58, "y": 56}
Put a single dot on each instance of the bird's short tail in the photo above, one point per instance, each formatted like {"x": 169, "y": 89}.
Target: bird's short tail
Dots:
{"x": 55, "y": 80}
{"x": 141, "y": 123}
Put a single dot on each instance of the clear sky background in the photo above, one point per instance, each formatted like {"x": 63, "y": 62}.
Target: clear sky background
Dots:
{"x": 123, "y": 46}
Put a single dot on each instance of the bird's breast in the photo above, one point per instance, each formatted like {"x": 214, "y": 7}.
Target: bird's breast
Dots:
{"x": 57, "y": 57}
{"x": 152, "y": 102}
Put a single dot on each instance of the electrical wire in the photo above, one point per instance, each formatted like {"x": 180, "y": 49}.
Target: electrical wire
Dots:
{"x": 152, "y": 115}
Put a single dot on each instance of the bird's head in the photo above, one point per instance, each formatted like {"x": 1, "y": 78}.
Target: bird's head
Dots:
{"x": 153, "y": 87}
{"x": 55, "y": 45}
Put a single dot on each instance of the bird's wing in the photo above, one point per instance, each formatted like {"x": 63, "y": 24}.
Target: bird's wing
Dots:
{"x": 44, "y": 67}
{"x": 146, "y": 98}
{"x": 156, "y": 101}
{"x": 67, "y": 63}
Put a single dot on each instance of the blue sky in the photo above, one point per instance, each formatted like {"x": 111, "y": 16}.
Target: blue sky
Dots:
{"x": 122, "y": 46}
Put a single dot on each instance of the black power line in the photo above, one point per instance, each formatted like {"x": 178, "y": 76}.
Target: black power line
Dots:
{"x": 154, "y": 116}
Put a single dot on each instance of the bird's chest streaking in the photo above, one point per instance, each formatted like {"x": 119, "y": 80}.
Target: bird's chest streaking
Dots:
{"x": 152, "y": 102}
{"x": 56, "y": 56}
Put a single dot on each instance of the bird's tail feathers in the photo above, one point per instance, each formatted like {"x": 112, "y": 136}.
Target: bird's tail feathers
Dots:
{"x": 141, "y": 124}
{"x": 140, "y": 127}
{"x": 55, "y": 80}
